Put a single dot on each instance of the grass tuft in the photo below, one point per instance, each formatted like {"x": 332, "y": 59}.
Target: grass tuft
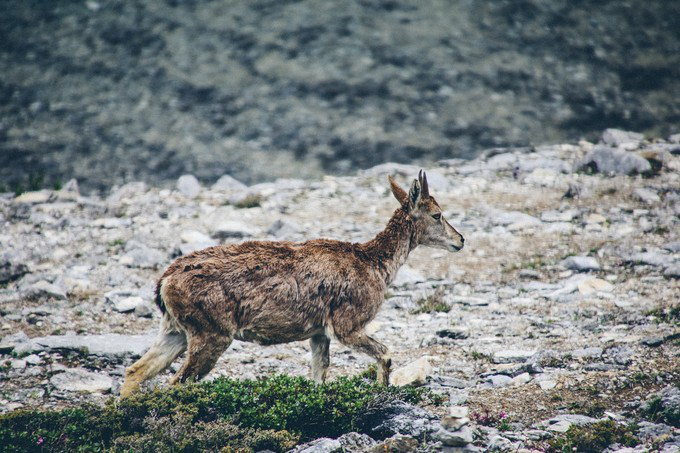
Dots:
{"x": 433, "y": 303}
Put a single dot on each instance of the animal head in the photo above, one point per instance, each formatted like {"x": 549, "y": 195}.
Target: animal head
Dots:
{"x": 425, "y": 211}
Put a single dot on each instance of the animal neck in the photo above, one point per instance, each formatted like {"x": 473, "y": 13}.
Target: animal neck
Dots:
{"x": 390, "y": 248}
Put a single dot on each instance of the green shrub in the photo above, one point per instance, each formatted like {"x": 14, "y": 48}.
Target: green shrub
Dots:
{"x": 595, "y": 437}
{"x": 272, "y": 413}
{"x": 655, "y": 411}
{"x": 177, "y": 433}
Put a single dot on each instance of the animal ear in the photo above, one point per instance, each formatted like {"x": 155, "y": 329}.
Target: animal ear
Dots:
{"x": 423, "y": 182}
{"x": 414, "y": 194}
{"x": 398, "y": 192}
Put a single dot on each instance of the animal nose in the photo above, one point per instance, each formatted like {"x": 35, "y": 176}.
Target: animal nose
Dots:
{"x": 462, "y": 240}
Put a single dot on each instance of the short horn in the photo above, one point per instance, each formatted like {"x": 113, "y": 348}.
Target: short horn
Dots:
{"x": 423, "y": 183}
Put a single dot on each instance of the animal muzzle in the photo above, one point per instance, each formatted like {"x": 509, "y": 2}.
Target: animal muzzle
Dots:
{"x": 456, "y": 240}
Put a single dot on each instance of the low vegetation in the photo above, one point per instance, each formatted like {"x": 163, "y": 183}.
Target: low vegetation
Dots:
{"x": 433, "y": 303}
{"x": 654, "y": 410}
{"x": 274, "y": 413}
{"x": 595, "y": 437}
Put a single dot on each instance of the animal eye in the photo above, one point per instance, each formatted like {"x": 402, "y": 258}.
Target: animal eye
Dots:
{"x": 437, "y": 216}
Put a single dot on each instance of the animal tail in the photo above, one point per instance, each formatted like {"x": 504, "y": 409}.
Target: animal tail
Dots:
{"x": 159, "y": 299}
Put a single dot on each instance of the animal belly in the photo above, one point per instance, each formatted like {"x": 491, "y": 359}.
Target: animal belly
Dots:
{"x": 276, "y": 336}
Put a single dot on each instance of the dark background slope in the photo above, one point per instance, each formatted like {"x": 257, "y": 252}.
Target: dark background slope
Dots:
{"x": 112, "y": 91}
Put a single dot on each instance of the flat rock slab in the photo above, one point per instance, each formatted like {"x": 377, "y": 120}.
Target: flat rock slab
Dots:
{"x": 109, "y": 345}
{"x": 82, "y": 381}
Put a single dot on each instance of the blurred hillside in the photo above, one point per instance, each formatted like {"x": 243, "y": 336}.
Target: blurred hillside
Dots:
{"x": 115, "y": 91}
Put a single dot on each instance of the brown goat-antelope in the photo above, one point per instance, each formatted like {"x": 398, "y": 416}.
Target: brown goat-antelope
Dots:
{"x": 278, "y": 292}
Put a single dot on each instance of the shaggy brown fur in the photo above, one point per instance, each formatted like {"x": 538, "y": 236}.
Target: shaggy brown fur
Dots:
{"x": 278, "y": 292}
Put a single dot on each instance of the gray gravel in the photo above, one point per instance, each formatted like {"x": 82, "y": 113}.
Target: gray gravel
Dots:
{"x": 551, "y": 294}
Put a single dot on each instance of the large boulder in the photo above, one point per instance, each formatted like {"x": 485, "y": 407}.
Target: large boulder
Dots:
{"x": 387, "y": 418}
{"x": 602, "y": 159}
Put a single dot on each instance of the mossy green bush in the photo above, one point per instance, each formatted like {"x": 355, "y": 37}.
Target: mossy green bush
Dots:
{"x": 273, "y": 413}
{"x": 595, "y": 437}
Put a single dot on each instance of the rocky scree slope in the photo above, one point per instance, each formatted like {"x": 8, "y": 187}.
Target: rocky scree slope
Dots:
{"x": 561, "y": 311}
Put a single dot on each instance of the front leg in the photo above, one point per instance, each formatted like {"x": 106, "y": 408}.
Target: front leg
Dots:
{"x": 362, "y": 342}
{"x": 320, "y": 357}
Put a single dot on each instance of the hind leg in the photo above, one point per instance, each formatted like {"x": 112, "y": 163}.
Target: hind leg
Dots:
{"x": 168, "y": 346}
{"x": 320, "y": 357}
{"x": 362, "y": 342}
{"x": 203, "y": 352}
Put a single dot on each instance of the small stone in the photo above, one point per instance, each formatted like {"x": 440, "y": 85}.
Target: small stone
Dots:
{"x": 529, "y": 274}
{"x": 647, "y": 195}
{"x": 515, "y": 218}
{"x": 453, "y": 334}
{"x": 557, "y": 216}
{"x": 521, "y": 379}
{"x": 43, "y": 288}
{"x": 144, "y": 310}
{"x": 415, "y": 373}
{"x": 547, "y": 384}
{"x": 652, "y": 431}
{"x": 513, "y": 356}
{"x": 81, "y": 380}
{"x": 449, "y": 381}
{"x": 69, "y": 192}
{"x": 459, "y": 411}
{"x": 355, "y": 442}
{"x": 127, "y": 304}
{"x": 195, "y": 236}
{"x": 500, "y": 443}
{"x": 593, "y": 285}
{"x": 143, "y": 257}
{"x": 587, "y": 353}
{"x": 672, "y": 271}
{"x": 650, "y": 258}
{"x": 672, "y": 246}
{"x": 33, "y": 359}
{"x": 12, "y": 342}
{"x": 395, "y": 444}
{"x": 622, "y": 139}
{"x": 284, "y": 229}
{"x": 188, "y": 186}
{"x": 595, "y": 218}
{"x": 233, "y": 229}
{"x": 581, "y": 263}
{"x": 574, "y": 419}
{"x": 112, "y": 222}
{"x": 454, "y": 423}
{"x": 37, "y": 197}
{"x": 653, "y": 342}
{"x": 18, "y": 364}
{"x": 227, "y": 182}
{"x": 456, "y": 438}
{"x": 11, "y": 270}
{"x": 499, "y": 380}
{"x": 323, "y": 445}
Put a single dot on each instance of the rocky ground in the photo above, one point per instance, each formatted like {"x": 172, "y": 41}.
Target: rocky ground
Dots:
{"x": 125, "y": 90}
{"x": 563, "y": 309}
